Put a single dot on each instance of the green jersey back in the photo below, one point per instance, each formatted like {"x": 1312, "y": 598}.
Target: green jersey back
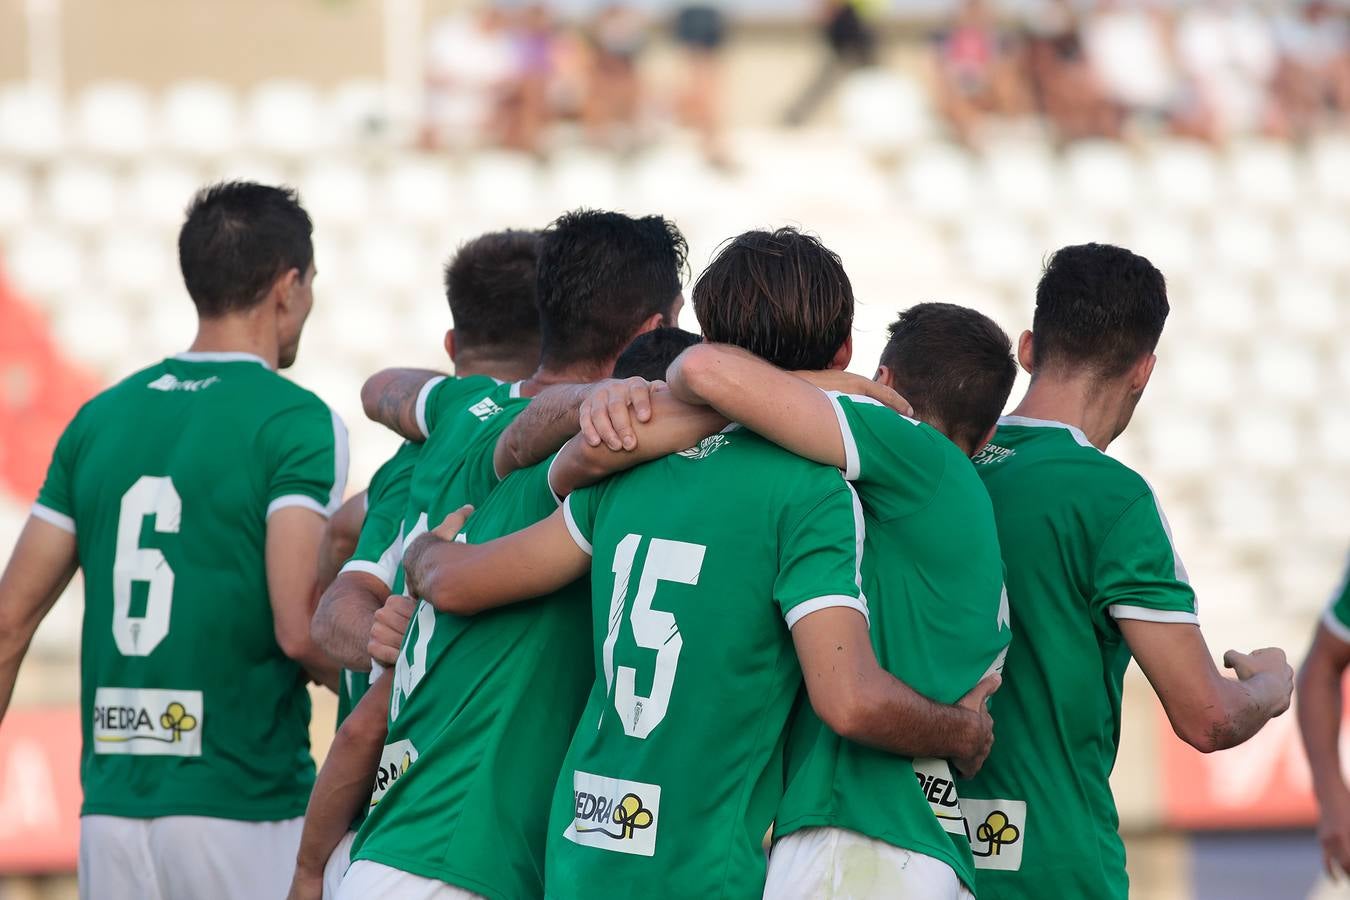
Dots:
{"x": 703, "y": 560}
{"x": 1337, "y": 615}
{"x": 167, "y": 481}
{"x": 379, "y": 548}
{"x": 1085, "y": 544}
{"x": 491, "y": 705}
{"x": 934, "y": 582}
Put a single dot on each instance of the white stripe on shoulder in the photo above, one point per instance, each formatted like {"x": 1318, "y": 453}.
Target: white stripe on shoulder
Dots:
{"x": 859, "y": 540}
{"x": 514, "y": 393}
{"x": 422, "y": 396}
{"x": 1144, "y": 614}
{"x": 52, "y": 517}
{"x": 1179, "y": 567}
{"x": 369, "y": 568}
{"x": 548, "y": 479}
{"x": 851, "y": 462}
{"x": 572, "y": 528}
{"x": 341, "y": 460}
{"x": 1338, "y": 628}
{"x": 802, "y": 610}
{"x": 297, "y": 500}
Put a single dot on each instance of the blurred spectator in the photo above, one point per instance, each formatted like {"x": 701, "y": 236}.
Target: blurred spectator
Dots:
{"x": 525, "y": 105}
{"x": 470, "y": 64}
{"x": 700, "y": 29}
{"x": 979, "y": 71}
{"x": 1066, "y": 87}
{"x": 1227, "y": 55}
{"x": 618, "y": 36}
{"x": 1129, "y": 50}
{"x": 852, "y": 45}
{"x": 1313, "y": 74}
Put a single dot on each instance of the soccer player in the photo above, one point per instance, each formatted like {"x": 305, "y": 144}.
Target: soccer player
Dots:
{"x": 1319, "y": 719}
{"x": 708, "y": 568}
{"x": 1093, "y": 577}
{"x": 193, "y": 495}
{"x": 855, "y": 821}
{"x": 652, "y": 353}
{"x": 490, "y": 285}
{"x": 475, "y": 733}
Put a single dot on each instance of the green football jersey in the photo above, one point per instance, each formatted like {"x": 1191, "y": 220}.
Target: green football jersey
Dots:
{"x": 379, "y": 549}
{"x": 167, "y": 480}
{"x": 933, "y": 577}
{"x": 1337, "y": 615}
{"x": 491, "y": 702}
{"x": 1085, "y": 543}
{"x": 702, "y": 562}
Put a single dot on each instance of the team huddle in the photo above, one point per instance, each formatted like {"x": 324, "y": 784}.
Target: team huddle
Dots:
{"x": 631, "y": 612}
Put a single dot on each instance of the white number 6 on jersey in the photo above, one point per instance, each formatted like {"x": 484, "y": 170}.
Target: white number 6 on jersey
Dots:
{"x": 149, "y": 496}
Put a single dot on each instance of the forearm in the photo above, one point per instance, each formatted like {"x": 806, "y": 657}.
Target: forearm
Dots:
{"x": 1245, "y": 708}
{"x": 897, "y": 719}
{"x": 1319, "y": 721}
{"x": 12, "y": 651}
{"x": 341, "y": 625}
{"x": 343, "y": 784}
{"x": 544, "y": 426}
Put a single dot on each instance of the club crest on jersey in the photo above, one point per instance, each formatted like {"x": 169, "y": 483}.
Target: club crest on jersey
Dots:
{"x": 939, "y": 789}
{"x": 613, "y": 814}
{"x": 485, "y": 409}
{"x": 147, "y": 722}
{"x": 396, "y": 759}
{"x": 999, "y": 832}
{"x": 706, "y": 447}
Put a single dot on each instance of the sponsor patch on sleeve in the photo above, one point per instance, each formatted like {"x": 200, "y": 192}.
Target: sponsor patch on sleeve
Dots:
{"x": 147, "y": 722}
{"x": 998, "y": 830}
{"x": 613, "y": 814}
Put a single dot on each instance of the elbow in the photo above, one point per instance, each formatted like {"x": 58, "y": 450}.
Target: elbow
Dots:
{"x": 696, "y": 366}
{"x": 371, "y": 392}
{"x": 298, "y": 647}
{"x": 445, "y": 595}
{"x": 1208, "y": 731}
{"x": 847, "y": 714}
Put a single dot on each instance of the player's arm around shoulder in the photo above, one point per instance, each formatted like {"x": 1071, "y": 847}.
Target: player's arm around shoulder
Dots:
{"x": 397, "y": 399}
{"x": 462, "y": 578}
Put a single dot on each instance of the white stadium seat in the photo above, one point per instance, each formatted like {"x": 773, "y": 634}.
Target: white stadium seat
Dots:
{"x": 1329, "y": 160}
{"x": 200, "y": 118}
{"x": 1246, "y": 244}
{"x": 285, "y": 118}
{"x": 32, "y": 123}
{"x": 420, "y": 190}
{"x": 115, "y": 119}
{"x": 1306, "y": 306}
{"x": 578, "y": 178}
{"x": 1183, "y": 176}
{"x": 391, "y": 259}
{"x": 1023, "y": 180}
{"x": 98, "y": 332}
{"x": 1320, "y": 239}
{"x": 16, "y": 198}
{"x": 339, "y": 193}
{"x": 159, "y": 191}
{"x": 1265, "y": 175}
{"x": 502, "y": 183}
{"x": 1285, "y": 372}
{"x": 884, "y": 111}
{"x": 1103, "y": 176}
{"x": 83, "y": 195}
{"x": 940, "y": 183}
{"x": 1264, "y": 438}
{"x": 46, "y": 264}
{"x": 357, "y": 112}
{"x": 132, "y": 263}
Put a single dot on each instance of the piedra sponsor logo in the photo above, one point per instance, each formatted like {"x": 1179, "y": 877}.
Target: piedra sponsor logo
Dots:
{"x": 999, "y": 834}
{"x": 614, "y": 814}
{"x": 935, "y": 781}
{"x": 147, "y": 722}
{"x": 395, "y": 761}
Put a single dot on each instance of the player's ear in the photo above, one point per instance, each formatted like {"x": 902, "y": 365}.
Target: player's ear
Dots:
{"x": 1026, "y": 352}
{"x": 450, "y": 343}
{"x": 285, "y": 289}
{"x": 1142, "y": 372}
{"x": 844, "y": 355}
{"x": 654, "y": 321}
{"x": 885, "y": 376}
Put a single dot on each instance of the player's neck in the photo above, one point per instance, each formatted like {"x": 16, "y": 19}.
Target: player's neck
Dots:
{"x": 1080, "y": 402}
{"x": 238, "y": 334}
{"x": 575, "y": 373}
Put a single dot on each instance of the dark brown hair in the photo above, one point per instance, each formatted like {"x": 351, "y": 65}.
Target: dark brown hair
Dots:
{"x": 782, "y": 295}
{"x": 490, "y": 283}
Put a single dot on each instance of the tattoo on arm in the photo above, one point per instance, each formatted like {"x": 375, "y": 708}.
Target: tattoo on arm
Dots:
{"x": 390, "y": 398}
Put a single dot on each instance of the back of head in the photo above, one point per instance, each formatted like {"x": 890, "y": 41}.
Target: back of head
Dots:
{"x": 601, "y": 276}
{"x": 491, "y": 285}
{"x": 954, "y": 365}
{"x": 782, "y": 295}
{"x": 651, "y": 353}
{"x": 1099, "y": 309}
{"x": 239, "y": 238}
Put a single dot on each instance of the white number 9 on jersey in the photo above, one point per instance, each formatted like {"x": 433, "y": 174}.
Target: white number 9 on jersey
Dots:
{"x": 149, "y": 496}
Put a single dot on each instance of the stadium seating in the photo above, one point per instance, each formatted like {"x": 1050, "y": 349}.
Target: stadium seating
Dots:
{"x": 1244, "y": 431}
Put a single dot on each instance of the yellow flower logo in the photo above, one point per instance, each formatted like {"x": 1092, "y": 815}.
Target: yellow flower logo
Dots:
{"x": 996, "y": 831}
{"x": 176, "y": 719}
{"x": 631, "y": 815}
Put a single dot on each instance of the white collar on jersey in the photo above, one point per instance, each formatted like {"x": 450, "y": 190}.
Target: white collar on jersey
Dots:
{"x": 1027, "y": 422}
{"x": 221, "y": 356}
{"x": 514, "y": 393}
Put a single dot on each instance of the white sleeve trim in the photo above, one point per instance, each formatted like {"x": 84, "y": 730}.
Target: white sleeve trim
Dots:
{"x": 557, "y": 498}
{"x": 1144, "y": 614}
{"x": 341, "y": 460}
{"x": 422, "y": 396}
{"x": 573, "y": 530}
{"x": 1337, "y": 628}
{"x": 360, "y": 565}
{"x": 802, "y": 610}
{"x": 851, "y": 462}
{"x": 297, "y": 500}
{"x": 51, "y": 516}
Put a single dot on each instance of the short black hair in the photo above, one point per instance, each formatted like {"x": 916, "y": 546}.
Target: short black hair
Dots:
{"x": 954, "y": 365}
{"x": 652, "y": 352}
{"x": 1099, "y": 308}
{"x": 782, "y": 295}
{"x": 239, "y": 238}
{"x": 601, "y": 275}
{"x": 491, "y": 284}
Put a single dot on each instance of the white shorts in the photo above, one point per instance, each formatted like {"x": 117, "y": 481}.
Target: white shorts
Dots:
{"x": 336, "y": 867}
{"x": 186, "y": 858}
{"x": 834, "y": 864}
{"x": 368, "y": 880}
